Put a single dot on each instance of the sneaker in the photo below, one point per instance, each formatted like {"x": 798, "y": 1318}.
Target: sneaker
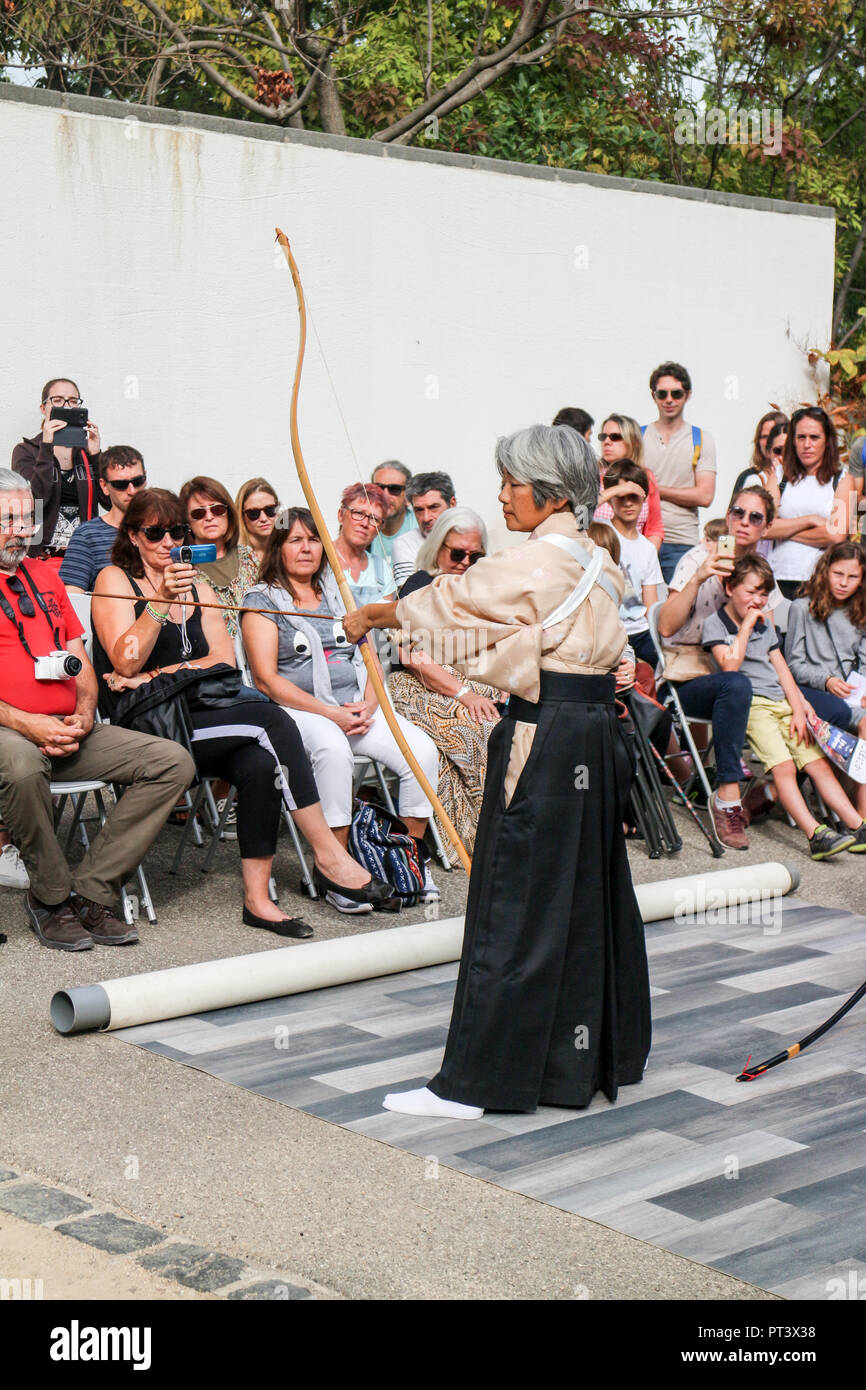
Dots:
{"x": 230, "y": 831}
{"x": 859, "y": 843}
{"x": 823, "y": 842}
{"x": 351, "y": 909}
{"x": 12, "y": 871}
{"x": 101, "y": 923}
{"x": 430, "y": 893}
{"x": 730, "y": 823}
{"x": 58, "y": 927}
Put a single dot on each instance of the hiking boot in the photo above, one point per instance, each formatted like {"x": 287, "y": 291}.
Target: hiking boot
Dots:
{"x": 102, "y": 924}
{"x": 58, "y": 926}
{"x": 859, "y": 845}
{"x": 730, "y": 824}
{"x": 823, "y": 842}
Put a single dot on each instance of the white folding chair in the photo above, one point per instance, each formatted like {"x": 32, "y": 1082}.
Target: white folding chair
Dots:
{"x": 77, "y": 792}
{"x": 668, "y": 695}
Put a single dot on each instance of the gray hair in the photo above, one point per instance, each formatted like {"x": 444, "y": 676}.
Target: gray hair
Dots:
{"x": 556, "y": 462}
{"x": 452, "y": 519}
{"x": 392, "y": 463}
{"x": 13, "y": 482}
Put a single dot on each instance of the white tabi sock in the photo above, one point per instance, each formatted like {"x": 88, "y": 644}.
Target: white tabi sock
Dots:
{"x": 423, "y": 1102}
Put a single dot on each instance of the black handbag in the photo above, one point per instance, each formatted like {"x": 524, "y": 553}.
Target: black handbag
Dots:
{"x": 161, "y": 707}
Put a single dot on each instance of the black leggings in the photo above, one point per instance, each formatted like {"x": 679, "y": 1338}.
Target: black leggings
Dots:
{"x": 257, "y": 747}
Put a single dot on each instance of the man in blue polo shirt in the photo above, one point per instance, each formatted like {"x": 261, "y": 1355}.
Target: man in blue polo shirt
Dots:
{"x": 122, "y": 474}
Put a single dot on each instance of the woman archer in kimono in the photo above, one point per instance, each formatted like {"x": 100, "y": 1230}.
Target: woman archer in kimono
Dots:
{"x": 552, "y": 1000}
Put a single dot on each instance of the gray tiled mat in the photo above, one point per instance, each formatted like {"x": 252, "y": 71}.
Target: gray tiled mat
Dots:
{"x": 764, "y": 1181}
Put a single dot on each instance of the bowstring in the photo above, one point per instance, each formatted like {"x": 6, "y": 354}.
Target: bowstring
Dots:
{"x": 364, "y": 484}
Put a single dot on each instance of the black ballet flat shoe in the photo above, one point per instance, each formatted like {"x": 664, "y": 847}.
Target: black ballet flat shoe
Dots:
{"x": 372, "y": 892}
{"x": 288, "y": 926}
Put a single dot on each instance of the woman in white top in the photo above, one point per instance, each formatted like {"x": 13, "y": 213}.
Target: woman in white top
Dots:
{"x": 810, "y": 472}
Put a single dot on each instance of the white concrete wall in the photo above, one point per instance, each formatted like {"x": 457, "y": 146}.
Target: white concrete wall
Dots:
{"x": 453, "y": 303}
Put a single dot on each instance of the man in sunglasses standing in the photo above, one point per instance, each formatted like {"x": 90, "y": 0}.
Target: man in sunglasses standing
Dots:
{"x": 392, "y": 478}
{"x": 683, "y": 459}
{"x": 47, "y": 732}
{"x": 122, "y": 474}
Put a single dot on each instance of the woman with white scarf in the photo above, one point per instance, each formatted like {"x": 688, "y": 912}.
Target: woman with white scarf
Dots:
{"x": 307, "y": 665}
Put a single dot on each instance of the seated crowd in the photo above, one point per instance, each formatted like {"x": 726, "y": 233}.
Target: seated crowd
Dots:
{"x": 762, "y": 623}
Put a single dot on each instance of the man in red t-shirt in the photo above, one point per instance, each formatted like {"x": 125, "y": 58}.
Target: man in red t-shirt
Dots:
{"x": 47, "y": 733}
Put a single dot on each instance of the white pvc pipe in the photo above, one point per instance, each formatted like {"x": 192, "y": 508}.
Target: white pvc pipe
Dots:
{"x": 220, "y": 984}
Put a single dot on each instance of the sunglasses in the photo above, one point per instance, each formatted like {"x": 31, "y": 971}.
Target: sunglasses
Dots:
{"x": 360, "y": 517}
{"x": 458, "y": 556}
{"x": 25, "y": 602}
{"x": 612, "y": 435}
{"x": 778, "y": 450}
{"x": 157, "y": 533}
{"x": 813, "y": 412}
{"x": 124, "y": 484}
{"x": 253, "y": 513}
{"x": 394, "y": 488}
{"x": 754, "y": 518}
{"x": 676, "y": 395}
{"x": 216, "y": 509}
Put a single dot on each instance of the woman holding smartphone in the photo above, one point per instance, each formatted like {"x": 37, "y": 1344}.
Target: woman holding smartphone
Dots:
{"x": 64, "y": 480}
{"x": 251, "y": 743}
{"x": 213, "y": 520}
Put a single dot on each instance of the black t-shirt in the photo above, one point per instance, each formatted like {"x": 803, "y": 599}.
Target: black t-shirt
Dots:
{"x": 419, "y": 580}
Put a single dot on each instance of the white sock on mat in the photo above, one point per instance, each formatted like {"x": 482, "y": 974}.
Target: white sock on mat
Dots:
{"x": 424, "y": 1102}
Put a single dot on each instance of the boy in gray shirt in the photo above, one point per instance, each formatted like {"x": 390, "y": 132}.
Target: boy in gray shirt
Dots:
{"x": 740, "y": 639}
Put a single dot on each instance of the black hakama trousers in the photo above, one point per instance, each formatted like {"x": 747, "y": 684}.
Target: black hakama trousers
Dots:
{"x": 552, "y": 1000}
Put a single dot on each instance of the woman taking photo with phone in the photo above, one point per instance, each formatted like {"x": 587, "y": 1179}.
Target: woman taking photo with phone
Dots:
{"x": 213, "y": 520}
{"x": 251, "y": 743}
{"x": 64, "y": 480}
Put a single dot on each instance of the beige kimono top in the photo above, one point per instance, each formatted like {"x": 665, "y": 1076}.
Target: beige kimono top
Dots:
{"x": 487, "y": 622}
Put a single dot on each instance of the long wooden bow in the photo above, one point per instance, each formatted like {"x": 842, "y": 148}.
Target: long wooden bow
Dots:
{"x": 334, "y": 561}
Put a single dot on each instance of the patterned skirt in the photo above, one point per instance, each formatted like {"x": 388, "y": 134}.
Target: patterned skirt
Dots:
{"x": 462, "y": 744}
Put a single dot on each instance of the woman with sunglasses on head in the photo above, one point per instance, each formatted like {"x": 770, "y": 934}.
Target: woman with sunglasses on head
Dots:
{"x": 63, "y": 479}
{"x": 252, "y": 744}
{"x": 810, "y": 474}
{"x": 620, "y": 438}
{"x": 213, "y": 520}
{"x": 457, "y": 714}
{"x": 304, "y": 662}
{"x": 257, "y": 507}
{"x": 369, "y": 576}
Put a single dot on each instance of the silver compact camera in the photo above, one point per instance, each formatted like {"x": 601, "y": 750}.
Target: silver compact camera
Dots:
{"x": 56, "y": 666}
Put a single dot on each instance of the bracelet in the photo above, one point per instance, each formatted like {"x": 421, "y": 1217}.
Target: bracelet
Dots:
{"x": 161, "y": 618}
{"x": 464, "y": 690}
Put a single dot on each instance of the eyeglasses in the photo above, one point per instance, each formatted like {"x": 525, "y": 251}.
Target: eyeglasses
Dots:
{"x": 25, "y": 602}
{"x": 17, "y": 522}
{"x": 216, "y": 509}
{"x": 360, "y": 517}
{"x": 675, "y": 395}
{"x": 458, "y": 556}
{"x": 394, "y": 488}
{"x": 156, "y": 533}
{"x": 64, "y": 400}
{"x": 124, "y": 484}
{"x": 754, "y": 518}
{"x": 253, "y": 513}
{"x": 612, "y": 435}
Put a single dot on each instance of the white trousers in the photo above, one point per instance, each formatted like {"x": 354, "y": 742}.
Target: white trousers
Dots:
{"x": 331, "y": 753}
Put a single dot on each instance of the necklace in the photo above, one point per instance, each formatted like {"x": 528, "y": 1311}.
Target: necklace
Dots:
{"x": 185, "y": 643}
